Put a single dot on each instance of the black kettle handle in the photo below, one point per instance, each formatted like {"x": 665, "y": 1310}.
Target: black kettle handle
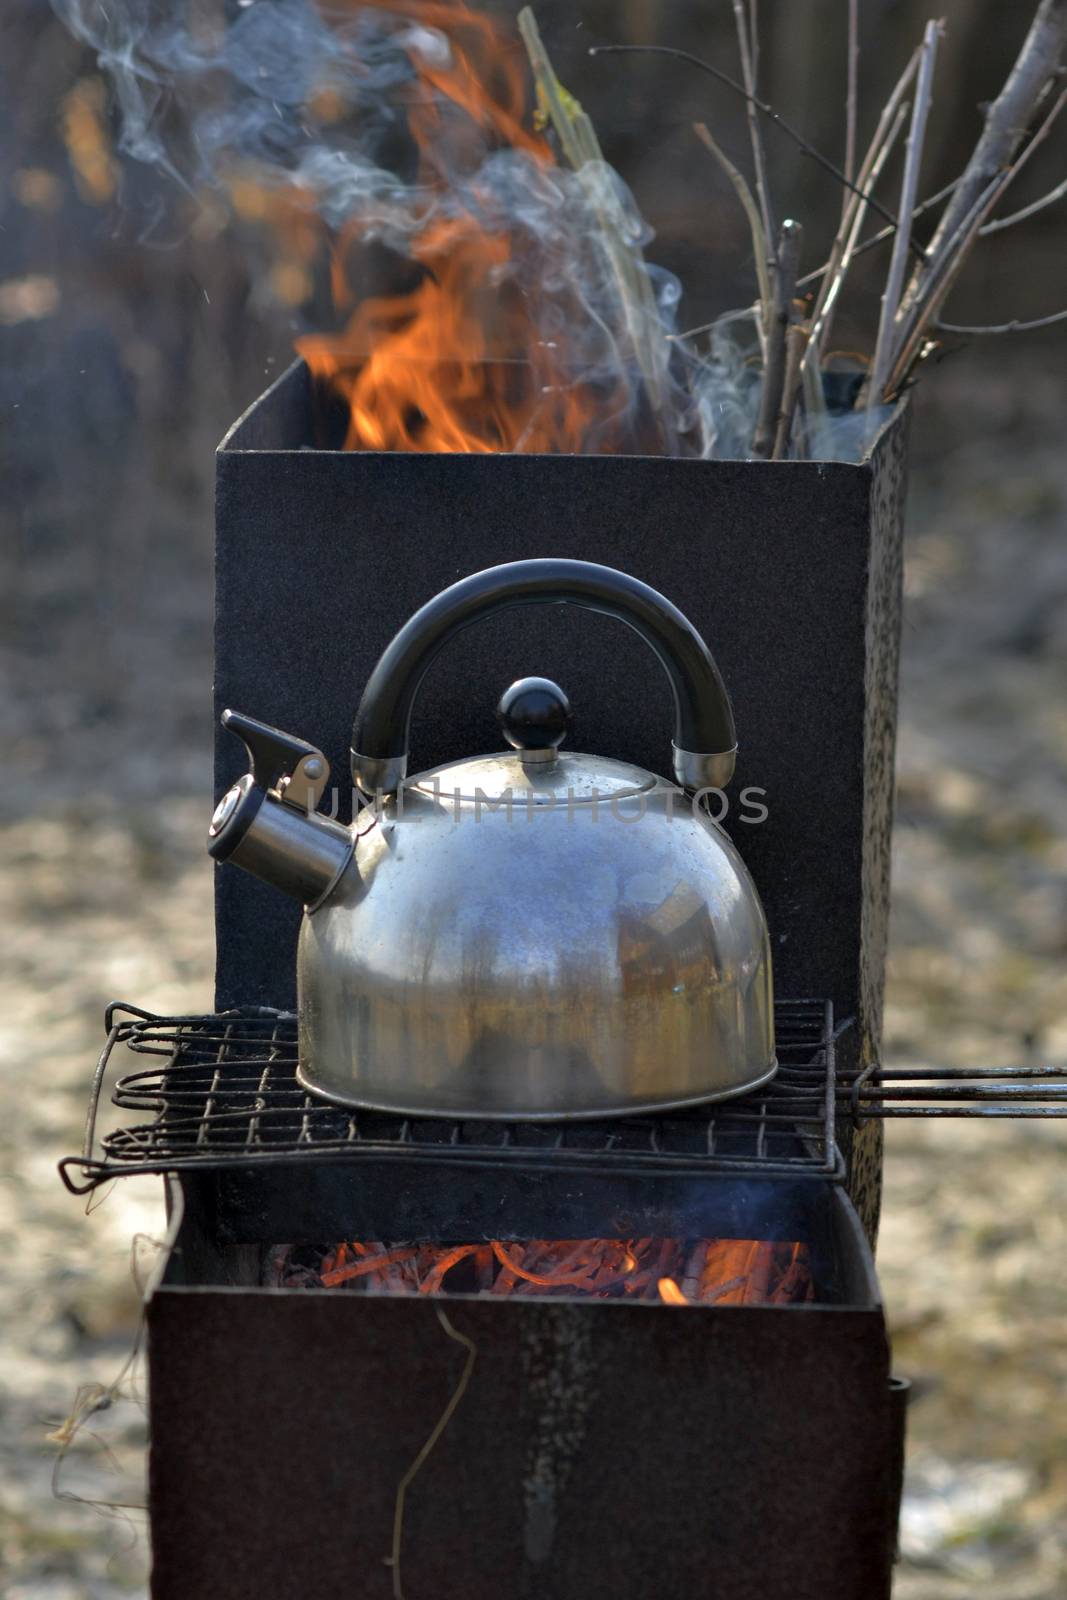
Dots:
{"x": 704, "y": 740}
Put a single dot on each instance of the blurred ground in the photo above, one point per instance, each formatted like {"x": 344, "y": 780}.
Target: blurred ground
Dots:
{"x": 974, "y": 1229}
{"x": 107, "y": 892}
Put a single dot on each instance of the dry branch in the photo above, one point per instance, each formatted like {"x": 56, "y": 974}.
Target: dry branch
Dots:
{"x": 826, "y": 303}
{"x": 796, "y": 342}
{"x": 1006, "y": 122}
{"x": 748, "y": 50}
{"x": 885, "y": 233}
{"x": 856, "y": 203}
{"x": 812, "y": 398}
{"x": 911, "y": 305}
{"x": 884, "y": 349}
{"x": 760, "y": 246}
{"x": 999, "y": 223}
{"x": 851, "y": 93}
{"x": 1002, "y": 327}
{"x": 947, "y": 268}
{"x": 761, "y": 106}
{"x": 785, "y": 278}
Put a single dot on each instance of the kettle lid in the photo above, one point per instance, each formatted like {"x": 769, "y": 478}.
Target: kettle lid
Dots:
{"x": 570, "y": 778}
{"x": 534, "y": 714}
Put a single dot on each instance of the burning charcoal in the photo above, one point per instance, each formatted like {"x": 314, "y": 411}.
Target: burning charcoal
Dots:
{"x": 544, "y": 1280}
{"x": 702, "y": 1271}
{"x": 435, "y": 1277}
{"x": 372, "y": 1264}
{"x": 483, "y": 1261}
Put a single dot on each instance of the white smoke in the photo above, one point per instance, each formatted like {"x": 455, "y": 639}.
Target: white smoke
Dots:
{"x": 203, "y": 98}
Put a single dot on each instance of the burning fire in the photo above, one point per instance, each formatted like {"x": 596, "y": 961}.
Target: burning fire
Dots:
{"x": 488, "y": 349}
{"x": 672, "y": 1271}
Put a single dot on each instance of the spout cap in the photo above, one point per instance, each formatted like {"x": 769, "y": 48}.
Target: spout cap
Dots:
{"x": 233, "y": 816}
{"x": 302, "y": 855}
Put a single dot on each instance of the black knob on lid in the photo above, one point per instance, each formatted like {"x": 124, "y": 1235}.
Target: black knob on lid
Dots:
{"x": 534, "y": 714}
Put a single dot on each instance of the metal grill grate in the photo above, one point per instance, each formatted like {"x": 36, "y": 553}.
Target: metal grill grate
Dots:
{"x": 223, "y": 1093}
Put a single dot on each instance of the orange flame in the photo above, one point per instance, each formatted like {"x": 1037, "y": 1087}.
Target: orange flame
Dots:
{"x": 670, "y": 1293}
{"x": 458, "y": 362}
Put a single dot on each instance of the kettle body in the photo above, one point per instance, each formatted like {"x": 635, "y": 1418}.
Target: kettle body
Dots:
{"x": 534, "y": 934}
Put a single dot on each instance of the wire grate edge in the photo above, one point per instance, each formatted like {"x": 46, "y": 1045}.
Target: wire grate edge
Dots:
{"x": 221, "y": 1091}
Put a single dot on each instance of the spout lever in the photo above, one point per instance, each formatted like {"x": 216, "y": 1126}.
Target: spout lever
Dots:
{"x": 275, "y": 756}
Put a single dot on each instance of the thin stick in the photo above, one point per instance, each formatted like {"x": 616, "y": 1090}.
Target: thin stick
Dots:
{"x": 954, "y": 253}
{"x": 851, "y": 95}
{"x": 748, "y": 49}
{"x": 551, "y": 93}
{"x": 823, "y": 315}
{"x": 785, "y": 277}
{"x": 911, "y": 335}
{"x": 909, "y": 189}
{"x": 812, "y": 398}
{"x": 888, "y": 232}
{"x": 796, "y": 341}
{"x": 1049, "y": 199}
{"x": 581, "y": 146}
{"x": 760, "y": 105}
{"x": 1006, "y": 122}
{"x": 439, "y": 1427}
{"x": 1002, "y": 327}
{"x": 741, "y": 314}
{"x": 755, "y": 221}
{"x": 856, "y": 205}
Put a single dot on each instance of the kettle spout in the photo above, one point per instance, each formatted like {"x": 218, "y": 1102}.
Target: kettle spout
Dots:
{"x": 266, "y": 823}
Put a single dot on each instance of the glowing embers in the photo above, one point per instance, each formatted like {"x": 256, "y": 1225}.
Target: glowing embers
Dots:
{"x": 699, "y": 1272}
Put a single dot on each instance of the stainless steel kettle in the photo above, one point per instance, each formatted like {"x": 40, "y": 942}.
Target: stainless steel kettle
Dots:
{"x": 533, "y": 934}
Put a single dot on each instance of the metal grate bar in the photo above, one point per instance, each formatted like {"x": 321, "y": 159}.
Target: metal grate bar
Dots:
{"x": 1010, "y": 1091}
{"x": 222, "y": 1092}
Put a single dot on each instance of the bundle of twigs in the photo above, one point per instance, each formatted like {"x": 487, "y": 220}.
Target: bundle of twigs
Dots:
{"x": 794, "y": 332}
